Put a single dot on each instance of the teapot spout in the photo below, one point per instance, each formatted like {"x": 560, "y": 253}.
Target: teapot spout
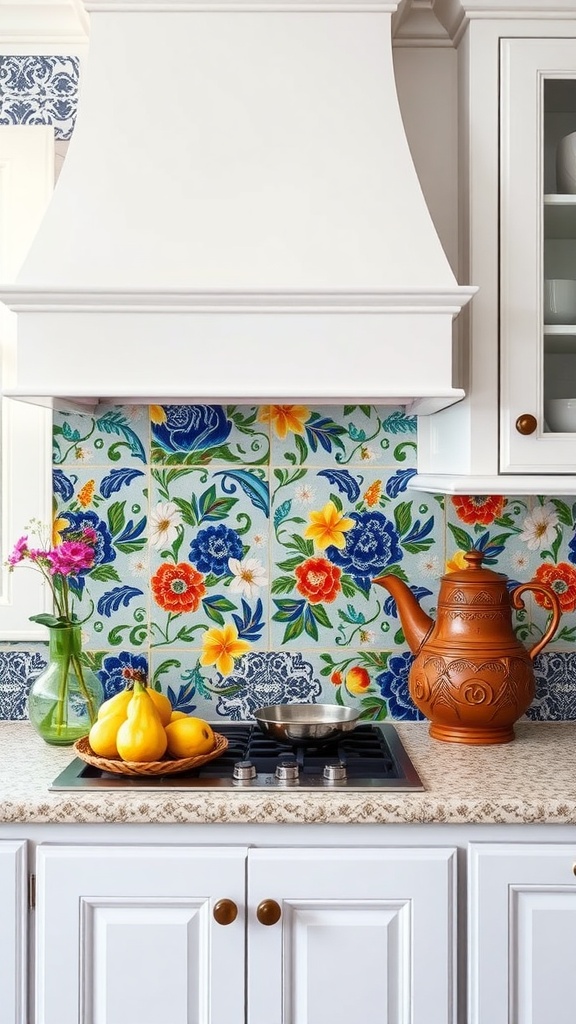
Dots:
{"x": 416, "y": 624}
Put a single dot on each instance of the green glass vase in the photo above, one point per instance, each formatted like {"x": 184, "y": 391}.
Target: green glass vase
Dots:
{"x": 63, "y": 700}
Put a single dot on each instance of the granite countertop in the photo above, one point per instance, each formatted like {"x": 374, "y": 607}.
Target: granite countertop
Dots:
{"x": 532, "y": 779}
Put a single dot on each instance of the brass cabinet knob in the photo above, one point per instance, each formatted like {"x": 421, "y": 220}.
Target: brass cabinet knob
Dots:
{"x": 526, "y": 423}
{"x": 268, "y": 912}
{"x": 225, "y": 911}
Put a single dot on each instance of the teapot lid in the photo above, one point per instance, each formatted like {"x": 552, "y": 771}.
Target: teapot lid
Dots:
{"x": 474, "y": 573}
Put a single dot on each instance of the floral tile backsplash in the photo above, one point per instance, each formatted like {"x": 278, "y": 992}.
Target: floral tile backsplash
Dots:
{"x": 237, "y": 545}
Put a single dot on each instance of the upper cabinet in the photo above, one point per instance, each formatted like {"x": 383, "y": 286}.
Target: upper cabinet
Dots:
{"x": 517, "y": 96}
{"x": 538, "y": 255}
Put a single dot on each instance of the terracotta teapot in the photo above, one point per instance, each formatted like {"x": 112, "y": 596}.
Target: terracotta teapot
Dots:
{"x": 472, "y": 678}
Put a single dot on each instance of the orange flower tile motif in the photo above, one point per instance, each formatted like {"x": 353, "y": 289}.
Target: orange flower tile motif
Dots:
{"x": 178, "y": 588}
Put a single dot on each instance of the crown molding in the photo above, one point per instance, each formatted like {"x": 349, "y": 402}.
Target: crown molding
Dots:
{"x": 454, "y": 15}
{"x": 23, "y": 298}
{"x": 415, "y": 24}
{"x": 178, "y": 6}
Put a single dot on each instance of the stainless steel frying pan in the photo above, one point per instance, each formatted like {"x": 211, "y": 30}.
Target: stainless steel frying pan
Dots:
{"x": 306, "y": 724}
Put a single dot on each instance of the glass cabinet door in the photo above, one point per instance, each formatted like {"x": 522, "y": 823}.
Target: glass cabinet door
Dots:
{"x": 538, "y": 255}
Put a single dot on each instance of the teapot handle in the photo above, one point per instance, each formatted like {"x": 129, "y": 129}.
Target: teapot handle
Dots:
{"x": 517, "y": 602}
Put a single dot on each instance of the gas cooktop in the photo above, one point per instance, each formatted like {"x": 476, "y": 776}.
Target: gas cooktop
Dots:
{"x": 370, "y": 757}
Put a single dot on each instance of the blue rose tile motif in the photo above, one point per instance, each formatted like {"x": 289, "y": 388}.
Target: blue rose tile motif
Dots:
{"x": 19, "y": 667}
{"x": 555, "y": 698}
{"x": 372, "y": 544}
{"x": 39, "y": 90}
{"x": 117, "y": 671}
{"x": 393, "y": 685}
{"x": 213, "y": 546}
{"x": 193, "y": 435}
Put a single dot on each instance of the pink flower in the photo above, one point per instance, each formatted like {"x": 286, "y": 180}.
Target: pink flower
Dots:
{"x": 36, "y": 554}
{"x": 20, "y": 551}
{"x": 71, "y": 557}
{"x": 57, "y": 563}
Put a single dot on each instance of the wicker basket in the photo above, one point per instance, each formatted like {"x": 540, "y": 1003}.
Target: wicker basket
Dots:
{"x": 147, "y": 768}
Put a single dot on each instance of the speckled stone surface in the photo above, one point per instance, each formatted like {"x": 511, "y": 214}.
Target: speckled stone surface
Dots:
{"x": 532, "y": 779}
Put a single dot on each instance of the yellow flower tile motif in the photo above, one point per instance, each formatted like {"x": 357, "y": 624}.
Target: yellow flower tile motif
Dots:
{"x": 457, "y": 562}
{"x": 157, "y": 414}
{"x": 328, "y": 526}
{"x": 220, "y": 647}
{"x": 284, "y": 418}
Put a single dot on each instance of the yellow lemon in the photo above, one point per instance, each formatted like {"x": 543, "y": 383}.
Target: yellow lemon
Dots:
{"x": 189, "y": 737}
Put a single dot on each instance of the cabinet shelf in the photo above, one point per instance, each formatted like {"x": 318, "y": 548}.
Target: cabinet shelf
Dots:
{"x": 560, "y": 216}
{"x": 560, "y": 339}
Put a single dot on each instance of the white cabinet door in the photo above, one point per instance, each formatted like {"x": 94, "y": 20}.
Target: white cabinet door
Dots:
{"x": 364, "y": 935}
{"x": 126, "y": 935}
{"x": 538, "y": 240}
{"x": 26, "y": 184}
{"x": 13, "y": 919}
{"x": 522, "y": 933}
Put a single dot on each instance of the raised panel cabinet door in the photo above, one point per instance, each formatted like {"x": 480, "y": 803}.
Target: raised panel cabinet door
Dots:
{"x": 363, "y": 935}
{"x": 127, "y": 935}
{"x": 13, "y": 931}
{"x": 522, "y": 933}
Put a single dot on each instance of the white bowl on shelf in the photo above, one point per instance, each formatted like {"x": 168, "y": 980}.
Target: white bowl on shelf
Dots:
{"x": 560, "y": 414}
{"x": 566, "y": 165}
{"x": 559, "y": 301}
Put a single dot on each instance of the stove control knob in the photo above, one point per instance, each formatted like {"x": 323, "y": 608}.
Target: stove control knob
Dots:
{"x": 335, "y": 772}
{"x": 244, "y": 770}
{"x": 287, "y": 771}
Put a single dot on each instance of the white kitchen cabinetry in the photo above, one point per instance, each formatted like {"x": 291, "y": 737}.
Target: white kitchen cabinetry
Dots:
{"x": 538, "y": 241}
{"x": 126, "y": 935}
{"x": 517, "y": 92}
{"x": 323, "y": 934}
{"x": 13, "y": 931}
{"x": 365, "y": 935}
{"x": 522, "y": 933}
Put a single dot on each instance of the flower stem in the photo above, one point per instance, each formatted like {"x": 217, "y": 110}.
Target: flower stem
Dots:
{"x": 77, "y": 665}
{"x": 62, "y": 693}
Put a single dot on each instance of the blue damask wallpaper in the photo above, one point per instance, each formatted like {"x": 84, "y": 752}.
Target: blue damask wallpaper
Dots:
{"x": 236, "y": 545}
{"x": 39, "y": 90}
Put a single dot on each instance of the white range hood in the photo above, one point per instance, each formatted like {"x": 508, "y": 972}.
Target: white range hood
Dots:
{"x": 238, "y": 218}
